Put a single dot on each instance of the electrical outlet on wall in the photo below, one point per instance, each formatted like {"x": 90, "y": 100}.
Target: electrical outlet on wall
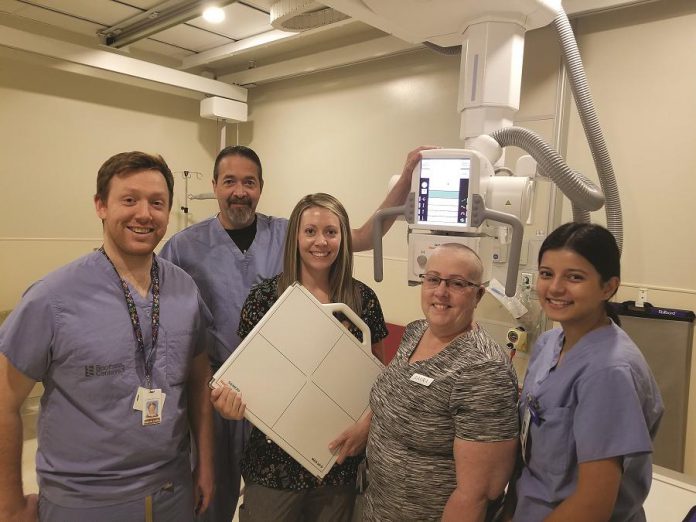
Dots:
{"x": 526, "y": 279}
{"x": 642, "y": 296}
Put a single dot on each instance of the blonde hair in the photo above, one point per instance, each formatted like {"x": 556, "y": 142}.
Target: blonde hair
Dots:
{"x": 341, "y": 287}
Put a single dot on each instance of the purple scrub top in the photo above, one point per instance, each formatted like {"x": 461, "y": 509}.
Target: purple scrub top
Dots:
{"x": 223, "y": 273}
{"x": 72, "y": 331}
{"x": 601, "y": 402}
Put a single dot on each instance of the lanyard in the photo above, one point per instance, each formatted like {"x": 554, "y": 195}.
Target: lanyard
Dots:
{"x": 149, "y": 358}
{"x": 534, "y": 409}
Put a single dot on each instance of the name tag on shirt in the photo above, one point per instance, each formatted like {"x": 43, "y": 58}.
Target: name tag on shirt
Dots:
{"x": 421, "y": 379}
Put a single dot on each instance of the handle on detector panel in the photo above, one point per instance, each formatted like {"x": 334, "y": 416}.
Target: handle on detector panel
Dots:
{"x": 380, "y": 216}
{"x": 407, "y": 210}
{"x": 350, "y": 314}
{"x": 479, "y": 215}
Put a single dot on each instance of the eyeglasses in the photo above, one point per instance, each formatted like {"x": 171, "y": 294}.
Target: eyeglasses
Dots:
{"x": 455, "y": 284}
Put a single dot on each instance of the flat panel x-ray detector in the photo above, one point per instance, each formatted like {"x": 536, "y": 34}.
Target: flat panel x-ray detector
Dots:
{"x": 304, "y": 377}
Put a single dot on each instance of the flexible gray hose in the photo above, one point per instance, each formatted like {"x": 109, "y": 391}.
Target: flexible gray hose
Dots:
{"x": 580, "y": 215}
{"x": 577, "y": 188}
{"x": 590, "y": 123}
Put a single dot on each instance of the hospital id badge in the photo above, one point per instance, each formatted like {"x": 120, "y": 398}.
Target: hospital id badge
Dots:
{"x": 138, "y": 401}
{"x": 524, "y": 433}
{"x": 152, "y": 403}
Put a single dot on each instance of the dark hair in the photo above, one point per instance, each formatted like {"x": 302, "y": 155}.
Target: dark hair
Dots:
{"x": 238, "y": 150}
{"x": 127, "y": 162}
{"x": 593, "y": 242}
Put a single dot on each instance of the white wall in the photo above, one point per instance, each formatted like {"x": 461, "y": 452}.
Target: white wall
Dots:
{"x": 58, "y": 128}
{"x": 347, "y": 132}
{"x": 642, "y": 72}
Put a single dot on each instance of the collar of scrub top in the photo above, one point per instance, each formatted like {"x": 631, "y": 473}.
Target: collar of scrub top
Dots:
{"x": 149, "y": 357}
{"x": 551, "y": 361}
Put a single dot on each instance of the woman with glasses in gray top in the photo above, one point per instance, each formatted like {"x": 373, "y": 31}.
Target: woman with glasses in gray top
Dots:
{"x": 444, "y": 430}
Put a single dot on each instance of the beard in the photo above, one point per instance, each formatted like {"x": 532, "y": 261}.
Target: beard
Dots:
{"x": 239, "y": 217}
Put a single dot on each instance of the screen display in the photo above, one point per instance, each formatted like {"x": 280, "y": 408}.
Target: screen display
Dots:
{"x": 443, "y": 191}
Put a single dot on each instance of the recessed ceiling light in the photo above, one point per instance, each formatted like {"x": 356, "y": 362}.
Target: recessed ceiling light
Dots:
{"x": 214, "y": 15}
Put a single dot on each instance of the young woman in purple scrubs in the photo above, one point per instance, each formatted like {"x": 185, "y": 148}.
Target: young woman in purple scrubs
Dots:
{"x": 590, "y": 406}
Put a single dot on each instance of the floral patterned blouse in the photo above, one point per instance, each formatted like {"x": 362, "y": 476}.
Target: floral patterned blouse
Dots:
{"x": 264, "y": 462}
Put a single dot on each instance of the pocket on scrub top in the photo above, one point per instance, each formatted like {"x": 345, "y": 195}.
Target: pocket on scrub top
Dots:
{"x": 553, "y": 446}
{"x": 180, "y": 349}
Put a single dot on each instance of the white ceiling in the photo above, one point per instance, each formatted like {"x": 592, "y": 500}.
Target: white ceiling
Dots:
{"x": 244, "y": 20}
{"x": 244, "y": 49}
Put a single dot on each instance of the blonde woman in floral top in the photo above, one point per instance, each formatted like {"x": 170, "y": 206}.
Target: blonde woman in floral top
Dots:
{"x": 318, "y": 254}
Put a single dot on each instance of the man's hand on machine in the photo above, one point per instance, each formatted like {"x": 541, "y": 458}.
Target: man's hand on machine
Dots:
{"x": 228, "y": 403}
{"x": 412, "y": 159}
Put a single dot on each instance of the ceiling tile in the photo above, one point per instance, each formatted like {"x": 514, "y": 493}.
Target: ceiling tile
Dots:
{"x": 261, "y": 4}
{"x": 162, "y": 48}
{"x": 191, "y": 38}
{"x": 63, "y": 21}
{"x": 240, "y": 22}
{"x": 104, "y": 12}
{"x": 9, "y": 6}
{"x": 144, "y": 4}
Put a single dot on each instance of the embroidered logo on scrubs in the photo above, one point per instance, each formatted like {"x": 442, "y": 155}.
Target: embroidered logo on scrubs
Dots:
{"x": 104, "y": 370}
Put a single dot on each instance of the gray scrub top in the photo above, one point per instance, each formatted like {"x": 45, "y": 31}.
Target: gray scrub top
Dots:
{"x": 72, "y": 331}
{"x": 223, "y": 273}
{"x": 601, "y": 402}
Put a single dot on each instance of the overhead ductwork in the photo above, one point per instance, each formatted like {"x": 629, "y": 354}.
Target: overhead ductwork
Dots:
{"x": 301, "y": 15}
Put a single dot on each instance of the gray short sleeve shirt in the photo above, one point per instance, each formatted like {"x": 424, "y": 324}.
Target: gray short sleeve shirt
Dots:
{"x": 410, "y": 449}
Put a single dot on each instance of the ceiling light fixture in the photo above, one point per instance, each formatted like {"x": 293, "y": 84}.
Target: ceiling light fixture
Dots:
{"x": 213, "y": 14}
{"x": 163, "y": 16}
